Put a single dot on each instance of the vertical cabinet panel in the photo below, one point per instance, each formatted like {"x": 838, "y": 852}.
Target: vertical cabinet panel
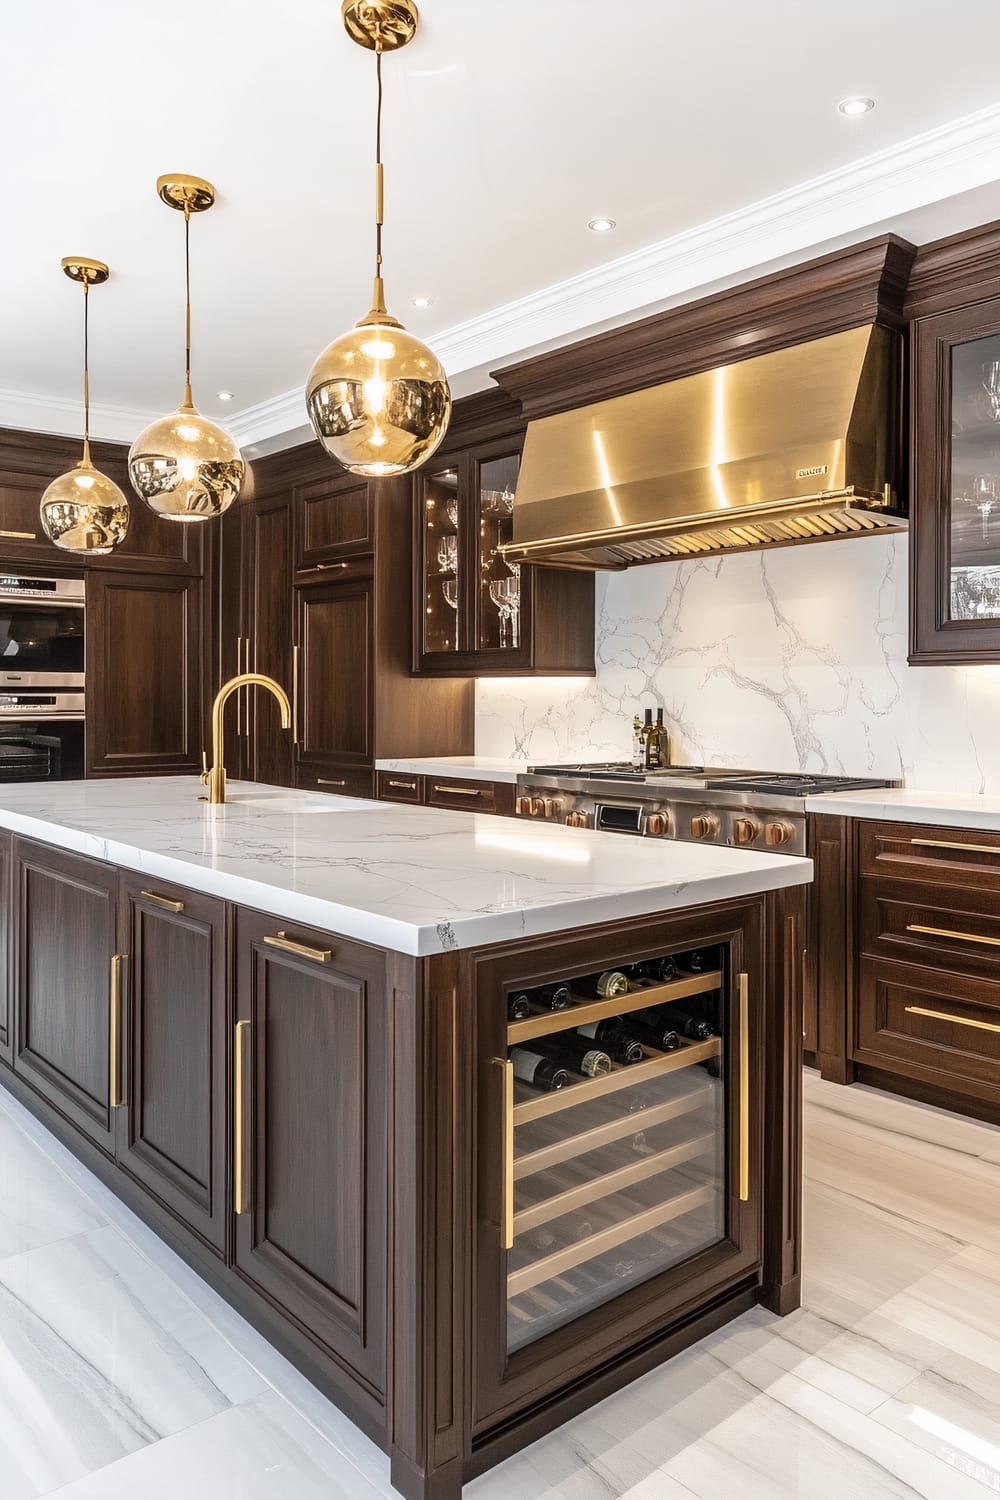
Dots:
{"x": 312, "y": 1238}
{"x": 171, "y": 1134}
{"x": 65, "y": 944}
{"x": 335, "y": 623}
{"x": 144, "y": 674}
{"x": 6, "y": 956}
{"x": 268, "y": 638}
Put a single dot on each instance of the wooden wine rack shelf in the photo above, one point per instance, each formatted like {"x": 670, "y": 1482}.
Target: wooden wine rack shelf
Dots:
{"x": 622, "y": 1076}
{"x": 613, "y": 1130}
{"x": 599, "y": 1010}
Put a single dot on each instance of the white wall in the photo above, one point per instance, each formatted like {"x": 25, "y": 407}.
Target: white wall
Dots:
{"x": 783, "y": 660}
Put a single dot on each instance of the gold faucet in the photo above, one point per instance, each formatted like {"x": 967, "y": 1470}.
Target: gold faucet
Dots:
{"x": 215, "y": 778}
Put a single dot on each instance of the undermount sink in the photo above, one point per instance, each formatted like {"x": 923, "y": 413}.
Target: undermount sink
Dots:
{"x": 278, "y": 801}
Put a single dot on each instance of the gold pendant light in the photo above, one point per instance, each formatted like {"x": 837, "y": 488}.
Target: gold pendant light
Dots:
{"x": 185, "y": 467}
{"x": 84, "y": 510}
{"x": 377, "y": 397}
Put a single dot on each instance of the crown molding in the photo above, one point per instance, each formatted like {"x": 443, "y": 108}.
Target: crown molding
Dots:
{"x": 64, "y": 417}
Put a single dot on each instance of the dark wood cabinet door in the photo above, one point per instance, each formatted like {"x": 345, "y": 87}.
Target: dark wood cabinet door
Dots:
{"x": 334, "y": 689}
{"x": 311, "y": 1034}
{"x": 171, "y": 1134}
{"x": 144, "y": 674}
{"x": 66, "y": 925}
{"x": 334, "y": 520}
{"x": 21, "y": 536}
{"x": 268, "y": 638}
{"x": 6, "y": 956}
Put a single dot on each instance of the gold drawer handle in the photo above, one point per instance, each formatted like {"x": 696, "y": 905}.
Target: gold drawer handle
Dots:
{"x": 302, "y": 950}
{"x": 744, "y": 1087}
{"x": 115, "y": 1096}
{"x": 507, "y": 1165}
{"x": 163, "y": 901}
{"x": 460, "y": 791}
{"x": 325, "y": 781}
{"x": 966, "y": 848}
{"x": 962, "y": 937}
{"x": 240, "y": 1203}
{"x": 943, "y": 1015}
{"x": 408, "y": 786}
{"x": 22, "y": 536}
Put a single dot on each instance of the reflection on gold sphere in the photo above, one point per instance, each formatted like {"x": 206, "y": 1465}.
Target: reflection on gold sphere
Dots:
{"x": 185, "y": 467}
{"x": 378, "y": 399}
{"x": 84, "y": 511}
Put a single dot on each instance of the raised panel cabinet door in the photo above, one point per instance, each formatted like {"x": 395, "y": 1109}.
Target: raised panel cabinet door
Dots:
{"x": 144, "y": 674}
{"x": 334, "y": 692}
{"x": 63, "y": 981}
{"x": 6, "y": 957}
{"x": 172, "y": 1130}
{"x": 334, "y": 520}
{"x": 310, "y": 1127}
{"x": 268, "y": 641}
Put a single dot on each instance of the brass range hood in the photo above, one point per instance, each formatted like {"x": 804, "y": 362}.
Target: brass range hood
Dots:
{"x": 797, "y": 445}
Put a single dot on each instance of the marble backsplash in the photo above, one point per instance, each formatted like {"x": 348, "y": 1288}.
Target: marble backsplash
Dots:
{"x": 793, "y": 659}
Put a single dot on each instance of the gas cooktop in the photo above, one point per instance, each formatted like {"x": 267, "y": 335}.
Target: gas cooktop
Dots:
{"x": 777, "y": 783}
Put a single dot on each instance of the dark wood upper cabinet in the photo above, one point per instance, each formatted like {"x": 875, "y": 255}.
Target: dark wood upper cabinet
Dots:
{"x": 334, "y": 521}
{"x": 334, "y": 689}
{"x": 310, "y": 1041}
{"x": 145, "y": 649}
{"x": 66, "y": 907}
{"x": 171, "y": 1133}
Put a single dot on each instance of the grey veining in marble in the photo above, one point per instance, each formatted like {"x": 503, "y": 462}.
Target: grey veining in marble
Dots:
{"x": 793, "y": 659}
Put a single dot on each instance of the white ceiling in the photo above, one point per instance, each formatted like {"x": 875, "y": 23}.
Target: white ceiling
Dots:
{"x": 709, "y": 132}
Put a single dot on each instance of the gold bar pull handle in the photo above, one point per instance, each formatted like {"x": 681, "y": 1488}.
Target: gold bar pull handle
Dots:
{"x": 950, "y": 844}
{"x": 21, "y": 536}
{"x": 460, "y": 791}
{"x": 241, "y": 1075}
{"x": 948, "y": 932}
{"x": 943, "y": 1015}
{"x": 301, "y": 950}
{"x": 507, "y": 1158}
{"x": 744, "y": 999}
{"x": 164, "y": 901}
{"x": 115, "y": 1095}
{"x": 331, "y": 781}
{"x": 296, "y": 653}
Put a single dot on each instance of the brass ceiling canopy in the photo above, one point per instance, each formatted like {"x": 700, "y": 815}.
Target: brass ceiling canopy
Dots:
{"x": 84, "y": 510}
{"x": 184, "y": 466}
{"x": 378, "y": 397}
{"x": 795, "y": 445}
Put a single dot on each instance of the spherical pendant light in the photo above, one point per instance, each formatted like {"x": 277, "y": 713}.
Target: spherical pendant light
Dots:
{"x": 184, "y": 466}
{"x": 378, "y": 397}
{"x": 84, "y": 510}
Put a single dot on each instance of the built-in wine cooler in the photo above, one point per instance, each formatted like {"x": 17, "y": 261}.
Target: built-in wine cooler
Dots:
{"x": 626, "y": 1136}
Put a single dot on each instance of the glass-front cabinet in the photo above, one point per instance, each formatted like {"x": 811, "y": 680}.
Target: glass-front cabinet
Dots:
{"x": 619, "y": 1148}
{"x": 956, "y": 486}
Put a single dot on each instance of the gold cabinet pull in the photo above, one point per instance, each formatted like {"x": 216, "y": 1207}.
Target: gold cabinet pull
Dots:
{"x": 302, "y": 950}
{"x": 296, "y": 653}
{"x": 962, "y": 937}
{"x": 407, "y": 786}
{"x": 240, "y": 1073}
{"x": 744, "y": 994}
{"x": 507, "y": 1160}
{"x": 943, "y": 1015}
{"x": 164, "y": 901}
{"x": 327, "y": 781}
{"x": 946, "y": 844}
{"x": 21, "y": 536}
{"x": 460, "y": 791}
{"x": 115, "y": 1097}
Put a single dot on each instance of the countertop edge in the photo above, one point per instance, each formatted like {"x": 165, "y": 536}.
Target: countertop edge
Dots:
{"x": 902, "y": 805}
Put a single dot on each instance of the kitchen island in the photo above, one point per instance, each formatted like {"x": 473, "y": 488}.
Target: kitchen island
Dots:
{"x": 475, "y": 1119}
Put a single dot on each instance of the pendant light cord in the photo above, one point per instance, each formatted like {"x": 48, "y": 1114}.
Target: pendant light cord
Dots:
{"x": 187, "y": 306}
{"x": 86, "y": 370}
{"x": 379, "y": 203}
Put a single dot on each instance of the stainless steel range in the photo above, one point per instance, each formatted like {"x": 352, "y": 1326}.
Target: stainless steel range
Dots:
{"x": 745, "y": 809}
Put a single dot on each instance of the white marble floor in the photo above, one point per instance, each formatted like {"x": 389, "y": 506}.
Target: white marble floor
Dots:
{"x": 122, "y": 1375}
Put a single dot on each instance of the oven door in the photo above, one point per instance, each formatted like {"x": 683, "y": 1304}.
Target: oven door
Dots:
{"x": 40, "y": 642}
{"x": 41, "y": 750}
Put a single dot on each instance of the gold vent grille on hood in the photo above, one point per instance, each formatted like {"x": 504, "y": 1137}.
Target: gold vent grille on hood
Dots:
{"x": 793, "y": 446}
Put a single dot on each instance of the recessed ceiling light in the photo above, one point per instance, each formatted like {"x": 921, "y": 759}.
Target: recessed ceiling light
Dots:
{"x": 856, "y": 106}
{"x": 422, "y": 301}
{"x": 226, "y": 395}
{"x": 601, "y": 226}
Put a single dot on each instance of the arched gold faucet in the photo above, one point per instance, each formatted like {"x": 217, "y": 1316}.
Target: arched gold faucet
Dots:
{"x": 214, "y": 777}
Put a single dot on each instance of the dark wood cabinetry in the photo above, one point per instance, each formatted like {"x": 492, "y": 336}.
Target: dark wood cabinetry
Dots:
{"x": 145, "y": 646}
{"x": 334, "y": 681}
{"x": 6, "y": 951}
{"x": 63, "y": 987}
{"x": 334, "y": 522}
{"x": 171, "y": 1131}
{"x": 311, "y": 1021}
{"x": 462, "y": 793}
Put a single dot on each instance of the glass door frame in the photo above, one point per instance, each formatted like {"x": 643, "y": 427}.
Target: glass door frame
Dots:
{"x": 506, "y": 1383}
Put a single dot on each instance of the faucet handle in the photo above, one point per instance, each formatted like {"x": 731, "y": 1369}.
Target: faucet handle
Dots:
{"x": 205, "y": 773}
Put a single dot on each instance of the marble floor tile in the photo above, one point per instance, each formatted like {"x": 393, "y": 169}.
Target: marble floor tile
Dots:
{"x": 37, "y": 1203}
{"x": 911, "y": 1128}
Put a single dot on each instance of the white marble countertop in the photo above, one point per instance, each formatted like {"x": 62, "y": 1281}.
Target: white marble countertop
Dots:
{"x": 465, "y": 767}
{"x": 910, "y": 805}
{"x": 412, "y": 879}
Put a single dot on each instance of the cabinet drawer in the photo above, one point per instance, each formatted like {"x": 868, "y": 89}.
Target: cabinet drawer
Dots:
{"x": 399, "y": 786}
{"x": 946, "y": 928}
{"x": 340, "y": 781}
{"x": 334, "y": 521}
{"x": 931, "y": 1026}
{"x": 469, "y": 796}
{"x": 947, "y": 856}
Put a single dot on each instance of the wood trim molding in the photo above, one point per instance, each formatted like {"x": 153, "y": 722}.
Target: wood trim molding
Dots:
{"x": 950, "y": 273}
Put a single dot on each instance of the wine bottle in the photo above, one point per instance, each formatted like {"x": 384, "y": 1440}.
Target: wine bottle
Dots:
{"x": 660, "y": 969}
{"x": 695, "y": 1027}
{"x": 651, "y": 1029}
{"x": 518, "y": 1005}
{"x": 701, "y": 959}
{"x": 540, "y": 1072}
{"x": 662, "y": 739}
{"x": 571, "y": 1051}
{"x": 605, "y": 986}
{"x": 615, "y": 1038}
{"x": 638, "y": 745}
{"x": 653, "y": 761}
{"x": 551, "y": 997}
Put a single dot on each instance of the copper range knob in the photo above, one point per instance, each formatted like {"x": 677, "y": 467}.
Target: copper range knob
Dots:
{"x": 658, "y": 824}
{"x": 746, "y": 830}
{"x": 778, "y": 833}
{"x": 537, "y": 808}
{"x": 577, "y": 820}
{"x": 523, "y": 807}
{"x": 704, "y": 826}
{"x": 552, "y": 807}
